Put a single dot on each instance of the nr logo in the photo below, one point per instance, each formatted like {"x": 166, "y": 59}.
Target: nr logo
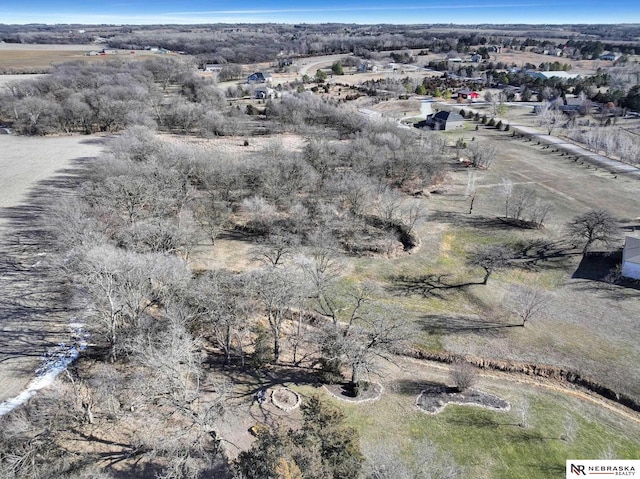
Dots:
{"x": 578, "y": 470}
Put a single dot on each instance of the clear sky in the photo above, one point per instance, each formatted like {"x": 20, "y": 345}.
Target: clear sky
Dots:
{"x": 318, "y": 11}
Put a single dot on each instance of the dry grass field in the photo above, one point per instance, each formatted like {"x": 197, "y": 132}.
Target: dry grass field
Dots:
{"x": 19, "y": 57}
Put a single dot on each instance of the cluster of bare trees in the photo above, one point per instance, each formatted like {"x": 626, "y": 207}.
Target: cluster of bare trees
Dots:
{"x": 522, "y": 204}
{"x": 609, "y": 141}
{"x": 77, "y": 97}
{"x": 125, "y": 241}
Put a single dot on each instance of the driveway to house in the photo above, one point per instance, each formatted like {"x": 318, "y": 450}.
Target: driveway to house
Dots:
{"x": 33, "y": 322}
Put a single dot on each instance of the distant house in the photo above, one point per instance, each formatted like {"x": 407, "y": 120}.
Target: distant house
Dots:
{"x": 447, "y": 120}
{"x": 551, "y": 74}
{"x": 466, "y": 94}
{"x": 264, "y": 93}
{"x": 631, "y": 258}
{"x": 476, "y": 58}
{"x": 370, "y": 115}
{"x": 259, "y": 77}
{"x": 212, "y": 67}
{"x": 609, "y": 56}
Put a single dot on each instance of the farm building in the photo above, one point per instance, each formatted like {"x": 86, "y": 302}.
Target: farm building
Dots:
{"x": 631, "y": 258}
{"x": 447, "y": 120}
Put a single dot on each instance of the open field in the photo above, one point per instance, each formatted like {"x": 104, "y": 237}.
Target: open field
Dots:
{"x": 19, "y": 57}
{"x": 31, "y": 319}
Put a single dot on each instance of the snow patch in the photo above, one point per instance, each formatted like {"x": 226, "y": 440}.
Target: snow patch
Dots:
{"x": 54, "y": 362}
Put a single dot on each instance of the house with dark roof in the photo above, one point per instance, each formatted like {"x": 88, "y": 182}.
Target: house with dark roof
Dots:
{"x": 259, "y": 77}
{"x": 447, "y": 120}
{"x": 612, "y": 57}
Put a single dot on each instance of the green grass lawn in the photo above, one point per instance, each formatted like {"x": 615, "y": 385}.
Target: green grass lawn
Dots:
{"x": 490, "y": 444}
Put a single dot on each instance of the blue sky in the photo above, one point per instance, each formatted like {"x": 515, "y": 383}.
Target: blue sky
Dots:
{"x": 347, "y": 11}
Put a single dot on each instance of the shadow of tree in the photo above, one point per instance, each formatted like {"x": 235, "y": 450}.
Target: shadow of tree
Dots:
{"x": 36, "y": 303}
{"x": 434, "y": 285}
{"x": 413, "y": 388}
{"x": 449, "y": 324}
{"x": 597, "y": 266}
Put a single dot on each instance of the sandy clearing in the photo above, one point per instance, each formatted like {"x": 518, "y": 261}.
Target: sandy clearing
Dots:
{"x": 31, "y": 320}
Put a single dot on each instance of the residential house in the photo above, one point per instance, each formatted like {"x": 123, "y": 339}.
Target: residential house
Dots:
{"x": 446, "y": 120}
{"x": 609, "y": 56}
{"x": 259, "y": 77}
{"x": 264, "y": 93}
{"x": 631, "y": 258}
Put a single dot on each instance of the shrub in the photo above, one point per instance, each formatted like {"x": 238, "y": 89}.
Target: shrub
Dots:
{"x": 463, "y": 376}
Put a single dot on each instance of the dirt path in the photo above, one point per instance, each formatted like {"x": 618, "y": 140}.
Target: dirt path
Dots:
{"x": 32, "y": 322}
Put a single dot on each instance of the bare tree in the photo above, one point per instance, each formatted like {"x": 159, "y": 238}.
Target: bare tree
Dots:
{"x": 471, "y": 189}
{"x": 463, "y": 375}
{"x": 122, "y": 286}
{"x": 549, "y": 118}
{"x": 528, "y": 303}
{"x": 212, "y": 215}
{"x": 490, "y": 258}
{"x": 524, "y": 411}
{"x": 506, "y": 190}
{"x": 595, "y": 226}
{"x": 481, "y": 154}
{"x": 277, "y": 290}
{"x": 378, "y": 333}
{"x": 539, "y": 211}
{"x": 275, "y": 249}
{"x": 413, "y": 213}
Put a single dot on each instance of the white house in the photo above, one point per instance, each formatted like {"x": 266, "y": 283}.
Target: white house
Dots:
{"x": 631, "y": 258}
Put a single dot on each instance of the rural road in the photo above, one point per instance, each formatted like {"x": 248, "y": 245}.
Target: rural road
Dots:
{"x": 32, "y": 320}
